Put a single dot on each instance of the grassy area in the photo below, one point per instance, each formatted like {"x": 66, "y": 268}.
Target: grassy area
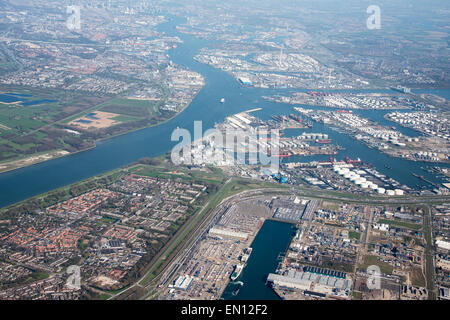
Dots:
{"x": 19, "y": 123}
{"x": 429, "y": 264}
{"x": 55, "y": 105}
{"x": 354, "y": 235}
{"x": 357, "y": 295}
{"x": 370, "y": 260}
{"x": 122, "y": 118}
{"x": 85, "y": 112}
{"x": 168, "y": 171}
{"x": 131, "y": 108}
{"x": 417, "y": 277}
{"x": 164, "y": 175}
{"x": 105, "y": 220}
{"x": 113, "y": 292}
{"x": 128, "y": 109}
{"x": 335, "y": 206}
{"x": 398, "y": 223}
{"x": 52, "y": 109}
{"x": 104, "y": 296}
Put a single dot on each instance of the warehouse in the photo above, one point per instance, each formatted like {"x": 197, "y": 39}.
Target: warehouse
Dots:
{"x": 228, "y": 233}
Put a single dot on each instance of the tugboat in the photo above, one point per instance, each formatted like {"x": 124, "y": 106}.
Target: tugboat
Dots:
{"x": 239, "y": 286}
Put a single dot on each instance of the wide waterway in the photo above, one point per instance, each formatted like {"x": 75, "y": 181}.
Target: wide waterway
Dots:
{"x": 272, "y": 240}
{"x": 26, "y": 182}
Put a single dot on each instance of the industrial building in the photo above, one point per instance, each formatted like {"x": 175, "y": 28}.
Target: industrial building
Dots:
{"x": 183, "y": 282}
{"x": 222, "y": 232}
{"x": 324, "y": 284}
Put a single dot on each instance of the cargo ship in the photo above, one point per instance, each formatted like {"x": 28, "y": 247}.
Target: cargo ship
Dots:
{"x": 246, "y": 255}
{"x": 279, "y": 118}
{"x": 345, "y": 111}
{"x": 318, "y": 93}
{"x": 401, "y": 89}
{"x": 237, "y": 271}
{"x": 333, "y": 161}
{"x": 296, "y": 118}
{"x": 283, "y": 155}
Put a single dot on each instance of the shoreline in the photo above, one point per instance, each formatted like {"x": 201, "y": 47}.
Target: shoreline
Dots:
{"x": 12, "y": 168}
{"x": 85, "y": 149}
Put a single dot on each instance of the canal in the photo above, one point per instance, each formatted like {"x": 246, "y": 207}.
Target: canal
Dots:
{"x": 272, "y": 240}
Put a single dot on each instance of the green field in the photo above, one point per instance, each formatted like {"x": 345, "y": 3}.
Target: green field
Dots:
{"x": 417, "y": 277}
{"x": 398, "y": 223}
{"x": 128, "y": 109}
{"x": 27, "y": 130}
{"x": 40, "y": 128}
{"x": 168, "y": 171}
{"x": 354, "y": 235}
{"x": 132, "y": 108}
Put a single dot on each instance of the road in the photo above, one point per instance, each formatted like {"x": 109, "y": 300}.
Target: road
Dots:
{"x": 191, "y": 239}
{"x": 179, "y": 235}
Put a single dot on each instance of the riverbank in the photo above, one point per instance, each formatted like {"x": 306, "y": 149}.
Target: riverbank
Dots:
{"x": 22, "y": 162}
{"x": 206, "y": 107}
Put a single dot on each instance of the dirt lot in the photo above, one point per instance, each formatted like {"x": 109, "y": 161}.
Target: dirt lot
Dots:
{"x": 95, "y": 120}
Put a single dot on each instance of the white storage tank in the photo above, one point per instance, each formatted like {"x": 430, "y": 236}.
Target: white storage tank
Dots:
{"x": 390, "y": 192}
{"x": 381, "y": 190}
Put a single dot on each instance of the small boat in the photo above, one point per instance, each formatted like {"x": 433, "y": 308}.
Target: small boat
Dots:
{"x": 239, "y": 286}
{"x": 222, "y": 100}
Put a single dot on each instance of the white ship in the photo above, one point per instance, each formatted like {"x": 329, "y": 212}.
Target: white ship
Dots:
{"x": 237, "y": 271}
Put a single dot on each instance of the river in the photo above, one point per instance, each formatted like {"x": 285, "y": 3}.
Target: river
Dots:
{"x": 26, "y": 182}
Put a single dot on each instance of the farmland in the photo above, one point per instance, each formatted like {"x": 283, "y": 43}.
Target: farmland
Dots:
{"x": 51, "y": 123}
